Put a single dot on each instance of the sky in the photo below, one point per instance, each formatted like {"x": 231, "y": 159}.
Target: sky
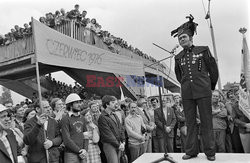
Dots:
{"x": 143, "y": 22}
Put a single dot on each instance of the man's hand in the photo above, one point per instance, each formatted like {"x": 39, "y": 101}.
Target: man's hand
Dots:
{"x": 47, "y": 144}
{"x": 167, "y": 129}
{"x": 247, "y": 125}
{"x": 41, "y": 119}
{"x": 122, "y": 147}
{"x": 83, "y": 154}
{"x": 215, "y": 111}
{"x": 142, "y": 138}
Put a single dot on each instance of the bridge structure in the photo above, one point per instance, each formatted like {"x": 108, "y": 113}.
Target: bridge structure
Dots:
{"x": 18, "y": 68}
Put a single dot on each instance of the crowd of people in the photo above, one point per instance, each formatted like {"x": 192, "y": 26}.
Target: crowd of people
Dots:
{"x": 108, "y": 127}
{"x": 61, "y": 17}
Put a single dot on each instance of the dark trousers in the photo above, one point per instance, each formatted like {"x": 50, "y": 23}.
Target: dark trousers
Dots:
{"x": 236, "y": 142}
{"x": 136, "y": 151}
{"x": 165, "y": 144}
{"x": 206, "y": 126}
{"x": 220, "y": 140}
{"x": 155, "y": 144}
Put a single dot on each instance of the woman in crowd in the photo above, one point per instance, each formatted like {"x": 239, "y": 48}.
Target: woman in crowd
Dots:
{"x": 58, "y": 108}
{"x": 94, "y": 110}
{"x": 93, "y": 135}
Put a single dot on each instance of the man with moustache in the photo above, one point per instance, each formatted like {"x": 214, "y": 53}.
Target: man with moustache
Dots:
{"x": 73, "y": 126}
{"x": 34, "y": 135}
{"x": 197, "y": 72}
{"x": 136, "y": 138}
{"x": 9, "y": 149}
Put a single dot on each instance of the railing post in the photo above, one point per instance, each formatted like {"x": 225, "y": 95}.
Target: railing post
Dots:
{"x": 71, "y": 29}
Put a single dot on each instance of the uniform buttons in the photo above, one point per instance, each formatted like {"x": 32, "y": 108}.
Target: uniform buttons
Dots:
{"x": 189, "y": 69}
{"x": 191, "y": 80}
{"x": 190, "y": 76}
{"x": 188, "y": 61}
{"x": 188, "y": 65}
{"x": 190, "y": 73}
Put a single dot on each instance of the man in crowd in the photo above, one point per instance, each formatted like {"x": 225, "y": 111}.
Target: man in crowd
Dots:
{"x": 112, "y": 135}
{"x": 197, "y": 72}
{"x": 134, "y": 125}
{"x": 219, "y": 122}
{"x": 74, "y": 14}
{"x": 180, "y": 117}
{"x": 73, "y": 126}
{"x": 9, "y": 149}
{"x": 8, "y": 105}
{"x": 35, "y": 138}
{"x": 155, "y": 105}
{"x": 165, "y": 123}
{"x": 142, "y": 110}
{"x": 19, "y": 110}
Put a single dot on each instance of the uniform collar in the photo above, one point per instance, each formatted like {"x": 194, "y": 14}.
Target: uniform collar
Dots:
{"x": 189, "y": 49}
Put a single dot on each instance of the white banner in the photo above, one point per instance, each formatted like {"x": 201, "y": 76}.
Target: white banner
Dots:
{"x": 55, "y": 48}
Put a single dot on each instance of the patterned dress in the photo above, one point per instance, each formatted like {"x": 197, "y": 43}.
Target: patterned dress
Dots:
{"x": 93, "y": 150}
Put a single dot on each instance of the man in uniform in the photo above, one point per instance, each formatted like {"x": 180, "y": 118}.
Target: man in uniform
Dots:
{"x": 197, "y": 72}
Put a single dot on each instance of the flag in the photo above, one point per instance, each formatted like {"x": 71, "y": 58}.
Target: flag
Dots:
{"x": 122, "y": 95}
{"x": 244, "y": 88}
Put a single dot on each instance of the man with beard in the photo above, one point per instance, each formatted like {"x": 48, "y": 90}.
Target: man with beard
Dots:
{"x": 73, "y": 127}
{"x": 34, "y": 135}
{"x": 197, "y": 72}
{"x": 8, "y": 144}
{"x": 134, "y": 126}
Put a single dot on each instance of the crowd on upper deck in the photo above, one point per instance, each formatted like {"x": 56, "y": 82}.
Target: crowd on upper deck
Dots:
{"x": 60, "y": 17}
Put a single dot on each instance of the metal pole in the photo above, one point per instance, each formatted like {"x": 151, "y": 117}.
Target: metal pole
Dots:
{"x": 39, "y": 87}
{"x": 214, "y": 47}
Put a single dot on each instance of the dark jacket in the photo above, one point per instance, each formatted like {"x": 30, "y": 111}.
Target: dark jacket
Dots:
{"x": 240, "y": 119}
{"x": 4, "y": 155}
{"x": 180, "y": 116}
{"x": 160, "y": 121}
{"x": 34, "y": 137}
{"x": 111, "y": 132}
{"x": 197, "y": 72}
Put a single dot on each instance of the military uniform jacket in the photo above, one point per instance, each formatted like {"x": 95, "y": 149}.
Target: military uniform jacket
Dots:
{"x": 197, "y": 72}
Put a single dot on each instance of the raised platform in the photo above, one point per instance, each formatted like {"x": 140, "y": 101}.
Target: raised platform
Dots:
{"x": 220, "y": 157}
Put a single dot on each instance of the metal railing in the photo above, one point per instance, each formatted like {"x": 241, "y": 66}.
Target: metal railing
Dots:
{"x": 17, "y": 49}
{"x": 70, "y": 28}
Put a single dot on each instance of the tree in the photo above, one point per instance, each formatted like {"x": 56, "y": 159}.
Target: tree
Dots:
{"x": 6, "y": 95}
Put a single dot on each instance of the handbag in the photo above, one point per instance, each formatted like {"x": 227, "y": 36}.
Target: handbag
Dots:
{"x": 123, "y": 158}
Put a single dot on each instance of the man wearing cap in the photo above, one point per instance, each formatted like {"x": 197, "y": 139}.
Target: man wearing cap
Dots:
{"x": 9, "y": 149}
{"x": 34, "y": 135}
{"x": 73, "y": 125}
{"x": 197, "y": 72}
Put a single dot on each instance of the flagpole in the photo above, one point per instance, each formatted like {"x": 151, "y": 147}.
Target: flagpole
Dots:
{"x": 208, "y": 16}
{"x": 39, "y": 87}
